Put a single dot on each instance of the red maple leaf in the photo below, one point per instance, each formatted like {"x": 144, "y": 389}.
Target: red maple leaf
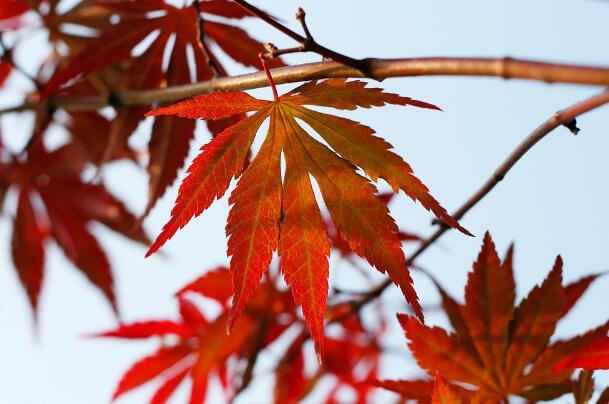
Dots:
{"x": 497, "y": 347}
{"x": 54, "y": 203}
{"x": 269, "y": 214}
{"x": 342, "y": 246}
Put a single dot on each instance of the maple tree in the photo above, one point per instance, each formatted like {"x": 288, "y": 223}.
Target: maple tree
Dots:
{"x": 307, "y": 193}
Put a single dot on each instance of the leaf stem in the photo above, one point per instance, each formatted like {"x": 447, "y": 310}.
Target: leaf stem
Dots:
{"x": 265, "y": 66}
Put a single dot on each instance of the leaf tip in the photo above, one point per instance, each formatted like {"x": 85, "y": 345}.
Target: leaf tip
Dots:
{"x": 156, "y": 112}
{"x": 158, "y": 243}
{"x": 465, "y": 231}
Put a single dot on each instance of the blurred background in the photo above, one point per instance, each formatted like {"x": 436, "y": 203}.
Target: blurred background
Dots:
{"x": 553, "y": 202}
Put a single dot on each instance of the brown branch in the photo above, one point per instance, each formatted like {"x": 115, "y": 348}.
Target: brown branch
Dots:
{"x": 307, "y": 43}
{"x": 564, "y": 117}
{"x": 506, "y": 68}
{"x": 212, "y": 62}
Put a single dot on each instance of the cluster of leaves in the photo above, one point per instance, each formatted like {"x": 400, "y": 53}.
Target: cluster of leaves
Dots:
{"x": 98, "y": 47}
{"x": 196, "y": 346}
{"x": 499, "y": 349}
{"x": 126, "y": 53}
{"x": 54, "y": 203}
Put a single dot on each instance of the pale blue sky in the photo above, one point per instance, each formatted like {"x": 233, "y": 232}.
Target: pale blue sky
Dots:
{"x": 554, "y": 201}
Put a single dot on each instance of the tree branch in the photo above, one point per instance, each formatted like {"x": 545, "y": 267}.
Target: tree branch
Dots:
{"x": 215, "y": 67}
{"x": 564, "y": 117}
{"x": 506, "y": 68}
{"x": 307, "y": 43}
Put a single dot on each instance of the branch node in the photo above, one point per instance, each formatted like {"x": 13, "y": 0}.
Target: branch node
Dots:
{"x": 365, "y": 66}
{"x": 50, "y": 107}
{"x": 572, "y": 126}
{"x": 505, "y": 67}
{"x": 271, "y": 51}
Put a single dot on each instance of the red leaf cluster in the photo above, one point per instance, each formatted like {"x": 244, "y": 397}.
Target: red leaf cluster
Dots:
{"x": 100, "y": 47}
{"x": 201, "y": 350}
{"x": 55, "y": 204}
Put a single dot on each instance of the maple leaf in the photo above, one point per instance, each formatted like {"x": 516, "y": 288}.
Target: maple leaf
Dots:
{"x": 70, "y": 205}
{"x": 575, "y": 290}
{"x": 201, "y": 347}
{"x": 583, "y": 388}
{"x": 28, "y": 249}
{"x": 419, "y": 390}
{"x": 268, "y": 215}
{"x": 497, "y": 347}
{"x": 138, "y": 19}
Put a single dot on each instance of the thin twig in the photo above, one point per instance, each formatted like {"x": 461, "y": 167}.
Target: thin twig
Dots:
{"x": 307, "y": 43}
{"x": 305, "y": 46}
{"x": 260, "y": 336}
{"x": 382, "y": 68}
{"x": 301, "y": 16}
{"x": 560, "y": 118}
{"x": 212, "y": 62}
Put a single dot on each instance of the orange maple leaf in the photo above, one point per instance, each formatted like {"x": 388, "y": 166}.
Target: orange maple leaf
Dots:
{"x": 497, "y": 347}
{"x": 269, "y": 214}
